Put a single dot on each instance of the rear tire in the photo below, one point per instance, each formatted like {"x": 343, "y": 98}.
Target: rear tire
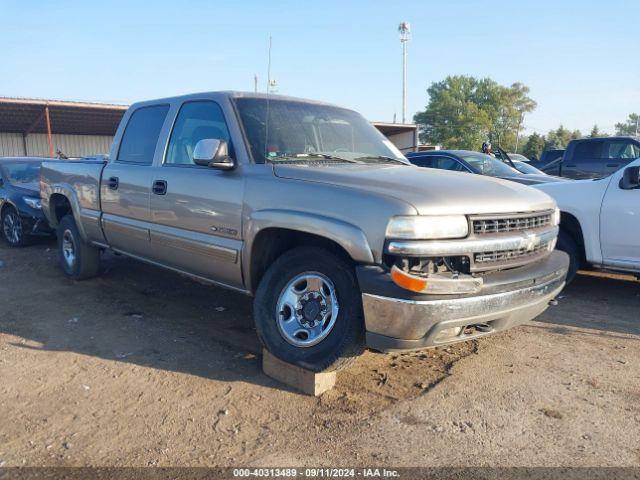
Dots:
{"x": 78, "y": 259}
{"x": 567, "y": 244}
{"x": 310, "y": 286}
{"x": 12, "y": 229}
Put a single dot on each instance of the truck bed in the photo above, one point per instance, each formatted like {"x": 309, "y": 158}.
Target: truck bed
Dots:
{"x": 78, "y": 181}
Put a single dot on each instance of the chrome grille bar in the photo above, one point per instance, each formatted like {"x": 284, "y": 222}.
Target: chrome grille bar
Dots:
{"x": 512, "y": 223}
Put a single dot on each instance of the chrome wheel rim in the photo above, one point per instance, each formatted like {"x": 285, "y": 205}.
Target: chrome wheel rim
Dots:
{"x": 68, "y": 248}
{"x": 307, "y": 309}
{"x": 12, "y": 228}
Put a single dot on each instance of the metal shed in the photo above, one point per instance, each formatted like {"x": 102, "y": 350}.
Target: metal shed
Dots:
{"x": 34, "y": 127}
{"x": 402, "y": 135}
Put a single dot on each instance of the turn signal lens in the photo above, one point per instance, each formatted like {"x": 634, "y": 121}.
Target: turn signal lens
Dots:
{"x": 408, "y": 282}
{"x": 556, "y": 216}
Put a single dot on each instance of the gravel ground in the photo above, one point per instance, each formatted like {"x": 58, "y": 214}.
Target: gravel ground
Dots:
{"x": 143, "y": 367}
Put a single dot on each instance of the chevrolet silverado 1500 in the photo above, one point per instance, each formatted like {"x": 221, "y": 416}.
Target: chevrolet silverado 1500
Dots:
{"x": 309, "y": 209}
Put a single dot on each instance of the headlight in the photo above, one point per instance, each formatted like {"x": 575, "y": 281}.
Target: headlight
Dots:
{"x": 556, "y": 216}
{"x": 428, "y": 228}
{"x": 32, "y": 202}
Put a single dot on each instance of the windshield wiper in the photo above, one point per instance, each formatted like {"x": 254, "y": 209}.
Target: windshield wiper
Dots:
{"x": 381, "y": 157}
{"x": 303, "y": 156}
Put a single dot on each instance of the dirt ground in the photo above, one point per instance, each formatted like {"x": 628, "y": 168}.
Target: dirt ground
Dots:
{"x": 143, "y": 367}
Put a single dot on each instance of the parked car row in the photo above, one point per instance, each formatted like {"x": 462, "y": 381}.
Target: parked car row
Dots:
{"x": 342, "y": 242}
{"x": 589, "y": 157}
{"x": 479, "y": 163}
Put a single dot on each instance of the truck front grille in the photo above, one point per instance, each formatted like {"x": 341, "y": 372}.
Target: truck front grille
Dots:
{"x": 503, "y": 224}
{"x": 489, "y": 260}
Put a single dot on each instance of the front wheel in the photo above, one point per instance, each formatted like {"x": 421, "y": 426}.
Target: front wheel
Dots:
{"x": 567, "y": 244}
{"x": 308, "y": 310}
{"x": 12, "y": 228}
{"x": 78, "y": 259}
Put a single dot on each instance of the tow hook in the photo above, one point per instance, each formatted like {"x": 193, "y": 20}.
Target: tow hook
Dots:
{"x": 553, "y": 302}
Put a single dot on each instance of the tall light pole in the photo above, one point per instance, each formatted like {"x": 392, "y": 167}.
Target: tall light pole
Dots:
{"x": 405, "y": 34}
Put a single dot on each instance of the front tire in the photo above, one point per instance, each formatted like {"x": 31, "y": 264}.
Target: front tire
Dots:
{"x": 78, "y": 259}
{"x": 567, "y": 244}
{"x": 12, "y": 228}
{"x": 308, "y": 310}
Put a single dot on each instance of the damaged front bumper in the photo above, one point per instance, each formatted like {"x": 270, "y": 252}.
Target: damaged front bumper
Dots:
{"x": 35, "y": 226}
{"x": 397, "y": 319}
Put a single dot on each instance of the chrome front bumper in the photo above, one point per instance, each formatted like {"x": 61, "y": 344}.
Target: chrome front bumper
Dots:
{"x": 396, "y": 319}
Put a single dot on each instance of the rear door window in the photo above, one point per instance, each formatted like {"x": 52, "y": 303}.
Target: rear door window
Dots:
{"x": 590, "y": 150}
{"x": 624, "y": 149}
{"x": 140, "y": 137}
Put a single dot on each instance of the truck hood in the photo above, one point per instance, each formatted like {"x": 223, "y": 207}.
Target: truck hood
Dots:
{"x": 430, "y": 191}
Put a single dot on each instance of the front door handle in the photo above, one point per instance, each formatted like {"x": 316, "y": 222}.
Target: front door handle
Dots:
{"x": 613, "y": 165}
{"x": 113, "y": 183}
{"x": 159, "y": 187}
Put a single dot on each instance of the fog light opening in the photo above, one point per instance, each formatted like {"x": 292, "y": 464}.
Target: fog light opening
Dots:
{"x": 448, "y": 333}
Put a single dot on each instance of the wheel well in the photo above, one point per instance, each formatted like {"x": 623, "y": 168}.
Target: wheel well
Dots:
{"x": 270, "y": 243}
{"x": 571, "y": 226}
{"x": 6, "y": 206}
{"x": 60, "y": 206}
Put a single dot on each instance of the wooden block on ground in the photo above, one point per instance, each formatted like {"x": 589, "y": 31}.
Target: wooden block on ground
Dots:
{"x": 302, "y": 380}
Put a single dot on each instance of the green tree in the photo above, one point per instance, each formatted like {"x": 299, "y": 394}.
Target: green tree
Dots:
{"x": 464, "y": 111}
{"x": 631, "y": 126}
{"x": 560, "y": 137}
{"x": 534, "y": 146}
{"x": 595, "y": 132}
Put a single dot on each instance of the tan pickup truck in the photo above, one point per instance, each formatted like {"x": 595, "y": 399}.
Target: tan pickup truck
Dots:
{"x": 309, "y": 209}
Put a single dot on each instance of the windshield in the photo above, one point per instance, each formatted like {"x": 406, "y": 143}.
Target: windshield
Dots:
{"x": 487, "y": 165}
{"x": 523, "y": 167}
{"x": 285, "y": 131}
{"x": 22, "y": 172}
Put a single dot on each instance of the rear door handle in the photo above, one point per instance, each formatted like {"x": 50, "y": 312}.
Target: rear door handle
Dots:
{"x": 570, "y": 166}
{"x": 613, "y": 165}
{"x": 159, "y": 187}
{"x": 113, "y": 183}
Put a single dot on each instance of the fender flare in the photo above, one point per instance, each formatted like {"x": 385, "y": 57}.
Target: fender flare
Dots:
{"x": 348, "y": 236}
{"x": 68, "y": 192}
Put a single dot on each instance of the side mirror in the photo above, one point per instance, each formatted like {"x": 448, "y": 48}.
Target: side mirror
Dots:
{"x": 214, "y": 153}
{"x": 630, "y": 178}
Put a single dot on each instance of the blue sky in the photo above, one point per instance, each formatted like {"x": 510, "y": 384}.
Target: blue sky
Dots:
{"x": 580, "y": 58}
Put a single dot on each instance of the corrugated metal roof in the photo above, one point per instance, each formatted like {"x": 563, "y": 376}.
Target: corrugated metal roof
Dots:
{"x": 26, "y": 115}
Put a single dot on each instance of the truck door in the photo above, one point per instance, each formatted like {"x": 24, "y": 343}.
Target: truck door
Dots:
{"x": 126, "y": 183}
{"x": 196, "y": 211}
{"x": 584, "y": 160}
{"x": 619, "y": 223}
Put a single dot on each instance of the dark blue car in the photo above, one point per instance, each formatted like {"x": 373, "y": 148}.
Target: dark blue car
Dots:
{"x": 21, "y": 216}
{"x": 474, "y": 162}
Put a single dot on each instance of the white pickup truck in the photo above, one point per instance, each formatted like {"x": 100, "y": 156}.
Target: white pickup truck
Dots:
{"x": 600, "y": 221}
